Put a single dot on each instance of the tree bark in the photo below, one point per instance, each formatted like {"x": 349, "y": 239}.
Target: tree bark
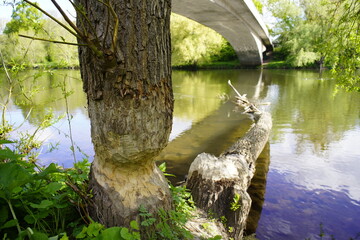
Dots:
{"x": 127, "y": 79}
{"x": 219, "y": 184}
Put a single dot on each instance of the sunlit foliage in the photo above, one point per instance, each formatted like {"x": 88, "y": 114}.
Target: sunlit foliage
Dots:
{"x": 301, "y": 29}
{"x": 29, "y": 21}
{"x": 345, "y": 48}
{"x": 24, "y": 17}
{"x": 193, "y": 43}
{"x": 320, "y": 32}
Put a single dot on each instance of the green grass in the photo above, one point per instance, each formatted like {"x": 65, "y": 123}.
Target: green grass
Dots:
{"x": 277, "y": 64}
{"x": 212, "y": 65}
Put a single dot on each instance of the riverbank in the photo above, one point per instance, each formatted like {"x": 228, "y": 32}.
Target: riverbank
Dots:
{"x": 234, "y": 64}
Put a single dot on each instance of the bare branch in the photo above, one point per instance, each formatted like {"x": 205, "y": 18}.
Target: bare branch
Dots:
{"x": 81, "y": 34}
{"x": 54, "y": 19}
{"x": 244, "y": 102}
{"x": 113, "y": 13}
{"x": 79, "y": 11}
{"x": 6, "y": 71}
{"x": 53, "y": 41}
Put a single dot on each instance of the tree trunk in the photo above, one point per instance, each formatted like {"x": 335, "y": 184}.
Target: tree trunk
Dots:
{"x": 219, "y": 184}
{"x": 127, "y": 79}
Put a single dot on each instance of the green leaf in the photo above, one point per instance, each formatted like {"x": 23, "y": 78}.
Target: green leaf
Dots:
{"x": 162, "y": 167}
{"x": 39, "y": 236}
{"x": 29, "y": 219}
{"x": 125, "y": 234}
{"x": 12, "y": 176}
{"x": 7, "y": 153}
{"x": 111, "y": 233}
{"x": 4, "y": 214}
{"x": 94, "y": 229}
{"x": 82, "y": 234}
{"x": 5, "y": 141}
{"x": 42, "y": 214}
{"x": 134, "y": 225}
{"x": 17, "y": 190}
{"x": 50, "y": 169}
{"x": 65, "y": 237}
{"x": 43, "y": 204}
{"x": 53, "y": 187}
{"x": 9, "y": 224}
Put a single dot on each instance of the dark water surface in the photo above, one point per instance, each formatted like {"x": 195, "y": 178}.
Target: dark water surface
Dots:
{"x": 308, "y": 177}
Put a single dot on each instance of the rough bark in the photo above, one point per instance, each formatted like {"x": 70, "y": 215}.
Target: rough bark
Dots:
{"x": 130, "y": 104}
{"x": 216, "y": 181}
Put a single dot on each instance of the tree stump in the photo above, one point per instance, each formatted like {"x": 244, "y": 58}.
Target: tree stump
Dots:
{"x": 219, "y": 184}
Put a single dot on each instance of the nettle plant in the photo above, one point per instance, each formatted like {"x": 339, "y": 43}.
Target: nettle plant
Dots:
{"x": 37, "y": 202}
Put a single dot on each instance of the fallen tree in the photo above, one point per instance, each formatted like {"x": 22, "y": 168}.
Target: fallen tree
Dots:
{"x": 219, "y": 184}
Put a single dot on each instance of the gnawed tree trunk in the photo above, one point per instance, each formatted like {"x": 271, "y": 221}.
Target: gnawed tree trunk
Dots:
{"x": 219, "y": 184}
{"x": 128, "y": 84}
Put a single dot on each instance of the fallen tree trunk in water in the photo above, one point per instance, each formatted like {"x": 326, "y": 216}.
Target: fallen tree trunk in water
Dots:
{"x": 219, "y": 184}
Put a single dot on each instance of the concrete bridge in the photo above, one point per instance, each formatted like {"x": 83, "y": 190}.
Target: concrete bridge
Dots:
{"x": 236, "y": 20}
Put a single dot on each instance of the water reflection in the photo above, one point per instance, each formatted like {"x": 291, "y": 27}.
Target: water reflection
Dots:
{"x": 315, "y": 158}
{"x": 36, "y": 93}
{"x": 291, "y": 211}
{"x": 257, "y": 190}
{"x": 213, "y": 126}
{"x": 40, "y": 92}
{"x": 313, "y": 176}
{"x": 306, "y": 105}
{"x": 197, "y": 94}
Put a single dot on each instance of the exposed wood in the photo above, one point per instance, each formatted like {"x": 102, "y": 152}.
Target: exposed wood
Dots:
{"x": 179, "y": 154}
{"x": 130, "y": 104}
{"x": 219, "y": 184}
{"x": 244, "y": 102}
{"x": 201, "y": 228}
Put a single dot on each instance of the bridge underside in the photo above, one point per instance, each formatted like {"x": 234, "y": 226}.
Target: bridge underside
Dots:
{"x": 237, "y": 21}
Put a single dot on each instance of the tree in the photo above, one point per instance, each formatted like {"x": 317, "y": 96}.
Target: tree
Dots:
{"x": 320, "y": 31}
{"x": 125, "y": 67}
{"x": 193, "y": 43}
{"x": 345, "y": 49}
{"x": 24, "y": 17}
{"x": 28, "y": 20}
{"x": 301, "y": 29}
{"x": 125, "y": 55}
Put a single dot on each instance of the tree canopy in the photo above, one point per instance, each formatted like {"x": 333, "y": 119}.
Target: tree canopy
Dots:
{"x": 322, "y": 32}
{"x": 192, "y": 43}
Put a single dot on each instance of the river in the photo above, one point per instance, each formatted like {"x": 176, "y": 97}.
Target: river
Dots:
{"x": 308, "y": 179}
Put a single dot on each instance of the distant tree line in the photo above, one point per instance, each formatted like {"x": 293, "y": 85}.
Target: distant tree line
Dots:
{"x": 192, "y": 43}
{"x": 319, "y": 33}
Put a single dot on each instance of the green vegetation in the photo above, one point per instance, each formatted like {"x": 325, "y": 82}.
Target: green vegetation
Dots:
{"x": 193, "y": 45}
{"x": 42, "y": 202}
{"x": 316, "y": 34}
{"x": 38, "y": 203}
{"x": 29, "y": 21}
{"x": 196, "y": 45}
{"x": 311, "y": 34}
{"x": 235, "y": 204}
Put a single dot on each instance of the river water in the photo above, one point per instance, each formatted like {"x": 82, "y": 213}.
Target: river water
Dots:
{"x": 308, "y": 176}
